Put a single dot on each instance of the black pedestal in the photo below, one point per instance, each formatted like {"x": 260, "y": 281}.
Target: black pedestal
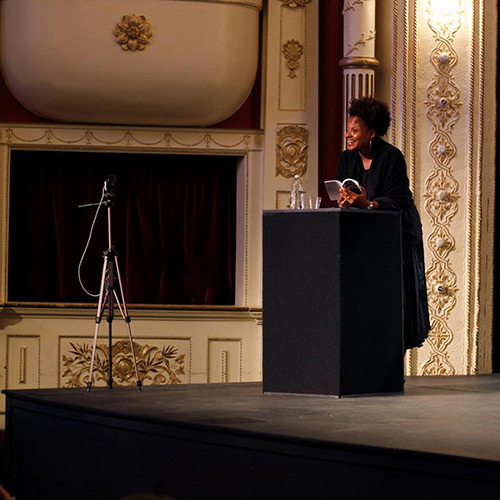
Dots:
{"x": 332, "y": 304}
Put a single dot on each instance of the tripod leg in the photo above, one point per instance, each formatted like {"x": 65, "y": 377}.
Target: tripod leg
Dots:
{"x": 100, "y": 309}
{"x": 127, "y": 319}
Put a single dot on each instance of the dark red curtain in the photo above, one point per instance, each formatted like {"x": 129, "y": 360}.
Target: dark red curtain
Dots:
{"x": 331, "y": 128}
{"x": 173, "y": 226}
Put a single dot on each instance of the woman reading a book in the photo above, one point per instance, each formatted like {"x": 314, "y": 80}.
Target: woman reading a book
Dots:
{"x": 380, "y": 169}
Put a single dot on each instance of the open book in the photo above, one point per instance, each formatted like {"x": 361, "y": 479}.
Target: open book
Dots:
{"x": 333, "y": 187}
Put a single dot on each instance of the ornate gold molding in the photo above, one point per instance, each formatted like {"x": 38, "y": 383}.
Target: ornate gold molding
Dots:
{"x": 292, "y": 50}
{"x": 291, "y": 151}
{"x": 156, "y": 366}
{"x": 359, "y": 62}
{"x": 133, "y": 32}
{"x": 294, "y": 3}
{"x": 441, "y": 188}
{"x": 174, "y": 139}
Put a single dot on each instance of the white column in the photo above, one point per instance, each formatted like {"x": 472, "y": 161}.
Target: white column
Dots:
{"x": 359, "y": 60}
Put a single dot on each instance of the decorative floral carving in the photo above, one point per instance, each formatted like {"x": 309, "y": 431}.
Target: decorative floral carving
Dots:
{"x": 441, "y": 336}
{"x": 350, "y": 5}
{"x": 438, "y": 364}
{"x": 291, "y": 151}
{"x": 444, "y": 18}
{"x": 442, "y": 149}
{"x": 443, "y": 100}
{"x": 442, "y": 288}
{"x": 441, "y": 241}
{"x": 361, "y": 42}
{"x": 444, "y": 56}
{"x": 292, "y": 50}
{"x": 441, "y": 196}
{"x": 133, "y": 32}
{"x": 295, "y": 3}
{"x": 156, "y": 365}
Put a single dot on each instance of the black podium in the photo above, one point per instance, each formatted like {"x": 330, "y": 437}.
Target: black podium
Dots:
{"x": 332, "y": 302}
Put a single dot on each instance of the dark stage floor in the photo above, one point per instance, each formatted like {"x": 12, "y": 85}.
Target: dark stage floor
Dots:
{"x": 443, "y": 431}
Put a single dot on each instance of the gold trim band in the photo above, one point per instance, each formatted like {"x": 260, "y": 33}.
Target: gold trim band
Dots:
{"x": 359, "y": 62}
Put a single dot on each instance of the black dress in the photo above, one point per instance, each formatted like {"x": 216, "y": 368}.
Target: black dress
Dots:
{"x": 387, "y": 183}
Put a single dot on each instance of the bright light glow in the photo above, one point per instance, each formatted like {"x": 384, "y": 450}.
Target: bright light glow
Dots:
{"x": 444, "y": 8}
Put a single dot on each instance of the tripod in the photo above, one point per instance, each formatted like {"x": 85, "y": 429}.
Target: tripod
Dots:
{"x": 108, "y": 295}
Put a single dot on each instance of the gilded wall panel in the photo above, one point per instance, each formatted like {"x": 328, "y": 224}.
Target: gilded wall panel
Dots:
{"x": 160, "y": 361}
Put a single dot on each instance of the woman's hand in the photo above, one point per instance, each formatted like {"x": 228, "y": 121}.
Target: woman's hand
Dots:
{"x": 349, "y": 198}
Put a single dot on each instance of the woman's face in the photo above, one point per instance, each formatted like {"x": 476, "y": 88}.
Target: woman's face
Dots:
{"x": 358, "y": 135}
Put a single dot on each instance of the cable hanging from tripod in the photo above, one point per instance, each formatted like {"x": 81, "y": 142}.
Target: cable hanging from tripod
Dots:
{"x": 88, "y": 243}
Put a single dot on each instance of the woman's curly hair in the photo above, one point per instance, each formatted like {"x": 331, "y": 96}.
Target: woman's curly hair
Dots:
{"x": 373, "y": 112}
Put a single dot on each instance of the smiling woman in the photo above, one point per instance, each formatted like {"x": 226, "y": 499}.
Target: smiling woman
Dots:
{"x": 380, "y": 168}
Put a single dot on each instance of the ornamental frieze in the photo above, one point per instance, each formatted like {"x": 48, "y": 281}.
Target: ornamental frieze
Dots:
{"x": 156, "y": 365}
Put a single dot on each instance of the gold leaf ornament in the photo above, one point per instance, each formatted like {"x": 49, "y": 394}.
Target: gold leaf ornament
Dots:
{"x": 292, "y": 50}
{"x": 133, "y": 32}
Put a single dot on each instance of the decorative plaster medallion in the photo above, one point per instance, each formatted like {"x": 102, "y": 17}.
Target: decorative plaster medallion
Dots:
{"x": 133, "y": 32}
{"x": 291, "y": 151}
{"x": 292, "y": 50}
{"x": 157, "y": 366}
{"x": 295, "y": 3}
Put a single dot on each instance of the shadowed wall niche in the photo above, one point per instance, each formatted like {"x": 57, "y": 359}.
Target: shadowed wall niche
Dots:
{"x": 173, "y": 226}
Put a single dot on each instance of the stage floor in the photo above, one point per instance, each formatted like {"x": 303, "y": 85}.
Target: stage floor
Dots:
{"x": 452, "y": 423}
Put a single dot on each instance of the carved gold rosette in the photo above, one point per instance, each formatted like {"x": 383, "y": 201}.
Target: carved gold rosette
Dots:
{"x": 291, "y": 151}
{"x": 133, "y": 32}
{"x": 156, "y": 365}
{"x": 442, "y": 190}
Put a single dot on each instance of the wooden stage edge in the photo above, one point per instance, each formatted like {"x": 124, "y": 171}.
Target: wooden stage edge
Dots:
{"x": 231, "y": 441}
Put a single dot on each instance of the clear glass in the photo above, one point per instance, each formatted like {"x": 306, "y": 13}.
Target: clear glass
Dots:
{"x": 314, "y": 202}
